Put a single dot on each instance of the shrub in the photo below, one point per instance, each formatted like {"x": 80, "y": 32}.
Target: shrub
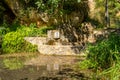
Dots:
{"x": 86, "y": 64}
{"x": 103, "y": 58}
{"x": 105, "y": 54}
{"x": 3, "y": 30}
{"x": 112, "y": 73}
{"x": 14, "y": 41}
{"x": 39, "y": 31}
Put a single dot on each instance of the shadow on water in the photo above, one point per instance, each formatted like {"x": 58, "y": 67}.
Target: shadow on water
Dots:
{"x": 56, "y": 69}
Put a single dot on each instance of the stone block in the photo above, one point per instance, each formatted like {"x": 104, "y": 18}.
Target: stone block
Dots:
{"x": 54, "y": 49}
{"x": 53, "y": 34}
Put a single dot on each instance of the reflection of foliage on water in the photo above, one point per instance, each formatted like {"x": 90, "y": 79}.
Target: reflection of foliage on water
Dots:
{"x": 14, "y": 63}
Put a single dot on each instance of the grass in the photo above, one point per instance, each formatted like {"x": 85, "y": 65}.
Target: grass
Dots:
{"x": 103, "y": 59}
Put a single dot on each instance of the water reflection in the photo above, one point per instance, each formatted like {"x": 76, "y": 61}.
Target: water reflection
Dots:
{"x": 53, "y": 67}
{"x": 56, "y": 66}
{"x": 40, "y": 68}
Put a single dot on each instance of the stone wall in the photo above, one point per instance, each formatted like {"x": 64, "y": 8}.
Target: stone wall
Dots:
{"x": 57, "y": 49}
{"x": 36, "y": 40}
{"x": 50, "y": 47}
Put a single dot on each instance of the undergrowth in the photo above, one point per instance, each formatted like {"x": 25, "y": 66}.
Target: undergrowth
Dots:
{"x": 13, "y": 41}
{"x": 104, "y": 57}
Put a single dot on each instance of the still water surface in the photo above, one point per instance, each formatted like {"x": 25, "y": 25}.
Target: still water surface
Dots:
{"x": 40, "y": 67}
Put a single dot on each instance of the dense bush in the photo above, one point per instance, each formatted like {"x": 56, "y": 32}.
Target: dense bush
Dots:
{"x": 106, "y": 53}
{"x": 103, "y": 58}
{"x": 2, "y": 31}
{"x": 112, "y": 73}
{"x": 52, "y": 5}
{"x": 14, "y": 41}
{"x": 39, "y": 31}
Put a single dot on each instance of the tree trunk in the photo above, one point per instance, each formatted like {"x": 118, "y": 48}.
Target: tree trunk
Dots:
{"x": 107, "y": 19}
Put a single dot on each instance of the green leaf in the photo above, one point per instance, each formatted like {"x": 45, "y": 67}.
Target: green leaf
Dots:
{"x": 78, "y": 1}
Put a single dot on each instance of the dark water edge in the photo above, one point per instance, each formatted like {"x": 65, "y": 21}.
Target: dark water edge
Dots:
{"x": 40, "y": 72}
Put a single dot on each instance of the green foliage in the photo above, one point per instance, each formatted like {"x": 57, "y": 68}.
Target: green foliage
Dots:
{"x": 106, "y": 52}
{"x": 6, "y": 28}
{"x": 14, "y": 41}
{"x": 112, "y": 73}
{"x": 14, "y": 25}
{"x": 103, "y": 58}
{"x": 2, "y": 31}
{"x": 49, "y": 5}
{"x": 13, "y": 63}
{"x": 39, "y": 31}
{"x": 114, "y": 8}
{"x": 86, "y": 64}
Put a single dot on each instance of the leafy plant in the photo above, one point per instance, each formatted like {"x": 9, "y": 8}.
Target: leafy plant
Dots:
{"x": 112, "y": 73}
{"x": 2, "y": 31}
{"x": 103, "y": 58}
{"x": 105, "y": 53}
{"x": 14, "y": 41}
{"x": 86, "y": 64}
{"x": 39, "y": 31}
{"x": 48, "y": 6}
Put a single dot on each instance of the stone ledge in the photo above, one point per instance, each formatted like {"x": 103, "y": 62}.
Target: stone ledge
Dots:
{"x": 36, "y": 40}
{"x": 53, "y": 49}
{"x": 59, "y": 49}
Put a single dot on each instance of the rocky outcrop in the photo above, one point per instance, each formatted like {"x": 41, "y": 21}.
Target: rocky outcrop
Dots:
{"x": 19, "y": 9}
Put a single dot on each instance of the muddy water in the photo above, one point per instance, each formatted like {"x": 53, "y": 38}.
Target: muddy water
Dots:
{"x": 40, "y": 67}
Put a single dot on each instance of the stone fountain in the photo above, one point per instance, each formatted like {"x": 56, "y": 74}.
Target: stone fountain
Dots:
{"x": 54, "y": 44}
{"x": 67, "y": 40}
